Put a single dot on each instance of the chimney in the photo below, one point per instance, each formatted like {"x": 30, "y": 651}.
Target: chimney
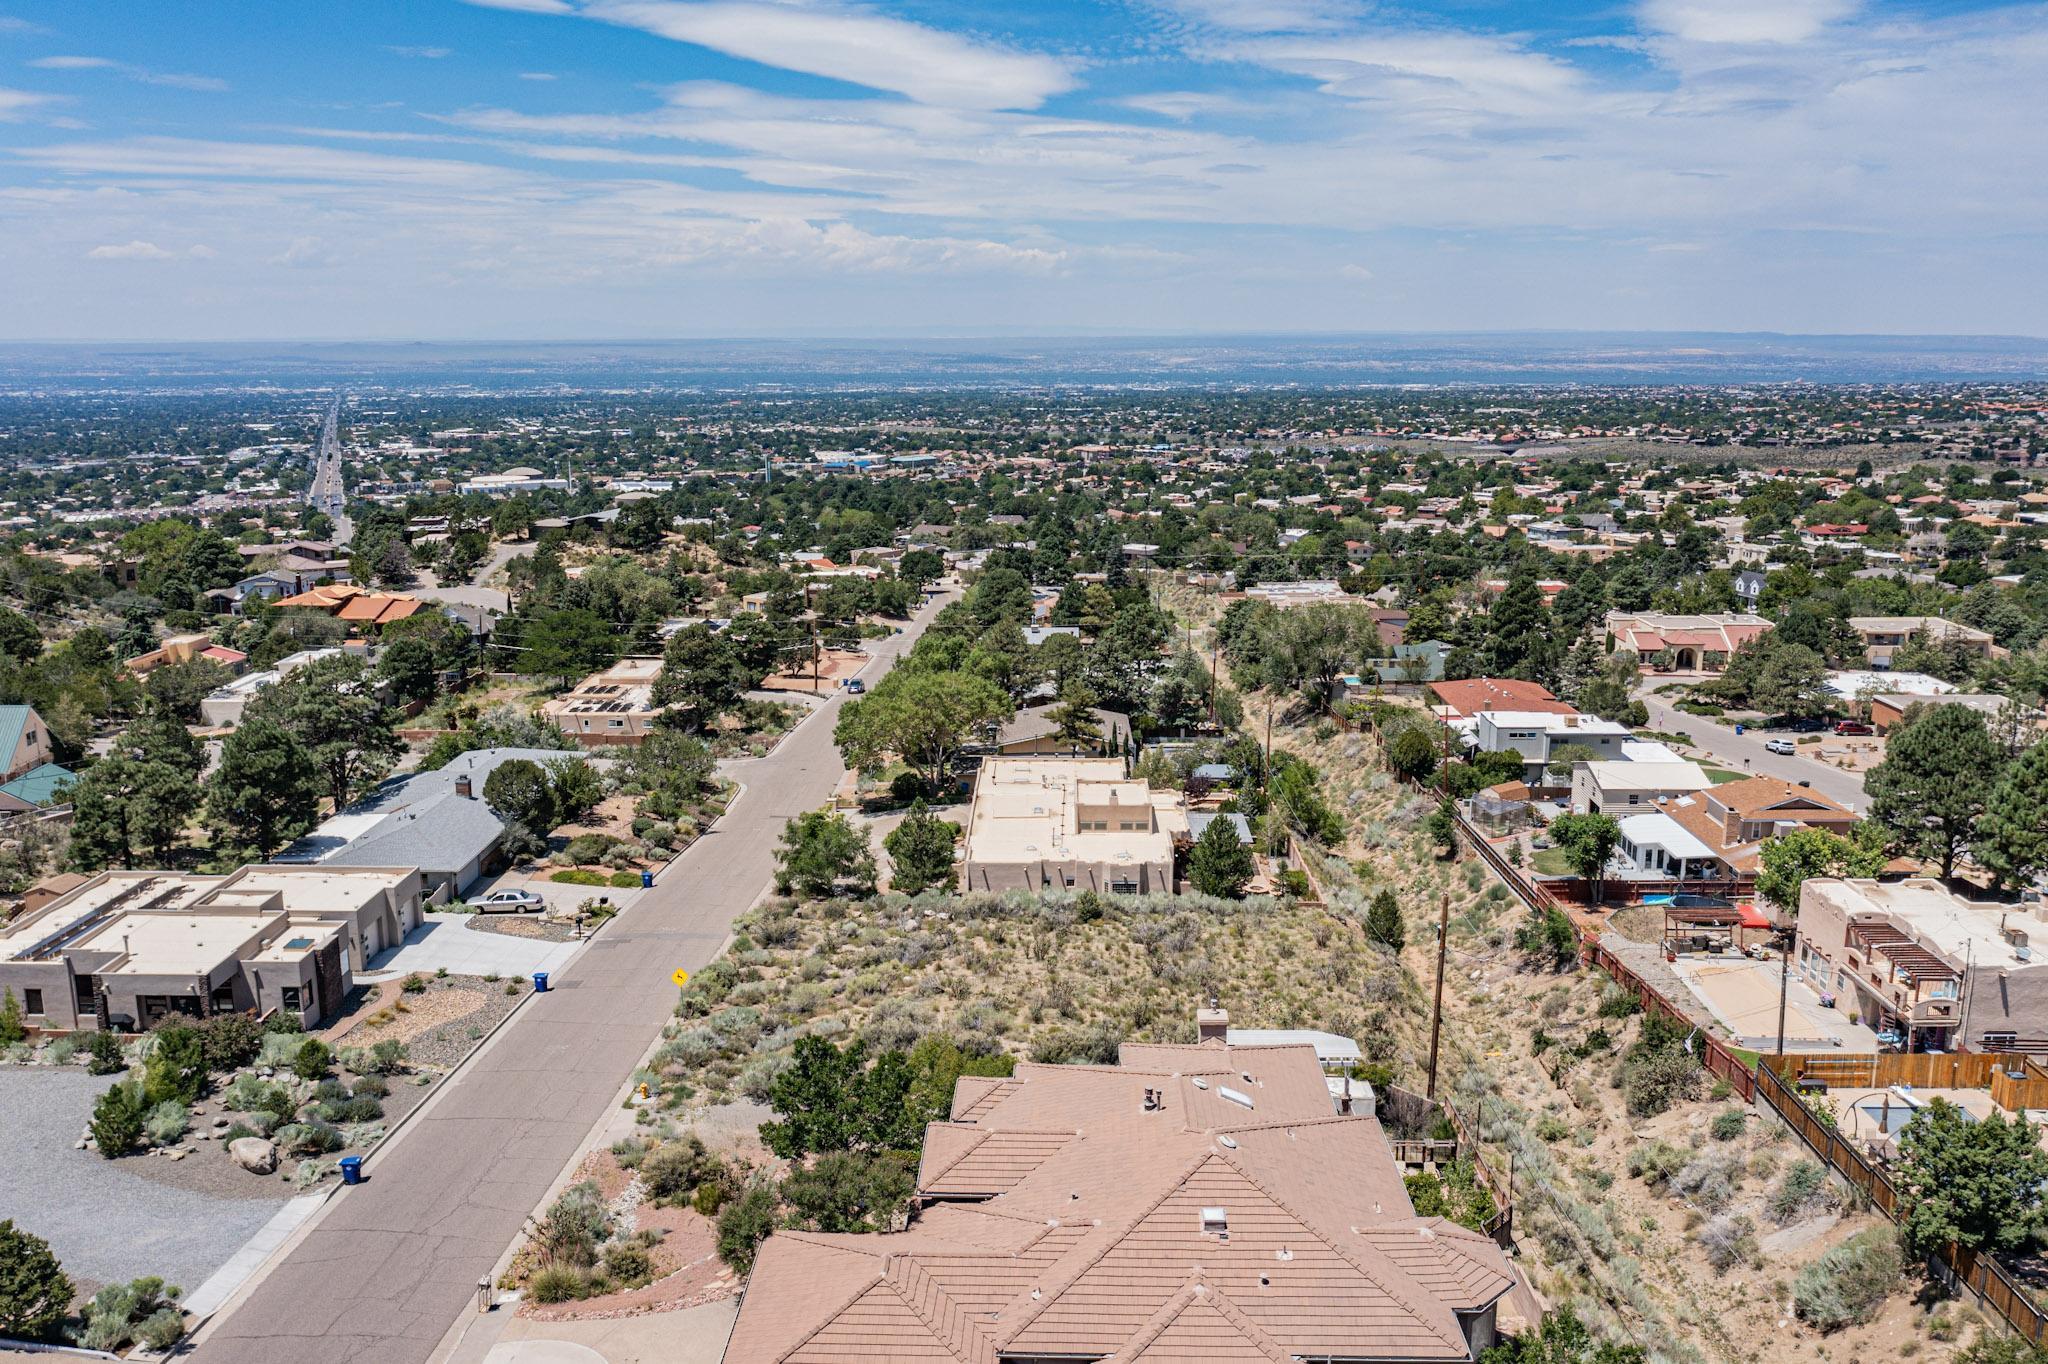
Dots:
{"x": 462, "y": 787}
{"x": 1212, "y": 1024}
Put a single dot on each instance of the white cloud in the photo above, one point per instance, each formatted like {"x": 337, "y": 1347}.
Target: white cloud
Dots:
{"x": 176, "y": 80}
{"x": 537, "y": 75}
{"x": 304, "y": 252}
{"x": 1357, "y": 274}
{"x": 432, "y": 54}
{"x": 137, "y": 250}
{"x": 15, "y": 103}
{"x": 1742, "y": 21}
{"x": 527, "y": 6}
{"x": 853, "y": 45}
{"x": 1266, "y": 16}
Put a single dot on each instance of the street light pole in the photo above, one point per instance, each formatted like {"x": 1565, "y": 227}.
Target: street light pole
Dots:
{"x": 1436, "y": 1011}
{"x": 1785, "y": 983}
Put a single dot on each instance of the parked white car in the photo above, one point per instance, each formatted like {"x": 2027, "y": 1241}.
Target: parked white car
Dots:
{"x": 508, "y": 902}
{"x": 1782, "y": 747}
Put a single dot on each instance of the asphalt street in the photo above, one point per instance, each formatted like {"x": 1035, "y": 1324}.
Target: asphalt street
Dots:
{"x": 1746, "y": 753}
{"x": 391, "y": 1264}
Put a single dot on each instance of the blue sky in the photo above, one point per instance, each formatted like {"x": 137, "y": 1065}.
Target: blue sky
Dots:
{"x": 643, "y": 168}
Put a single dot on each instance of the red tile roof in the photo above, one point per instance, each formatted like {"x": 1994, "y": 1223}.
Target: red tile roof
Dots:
{"x": 1098, "y": 1243}
{"x": 1477, "y": 694}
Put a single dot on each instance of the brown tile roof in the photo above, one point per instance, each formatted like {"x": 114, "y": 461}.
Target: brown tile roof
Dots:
{"x": 1477, "y": 694}
{"x": 1091, "y": 1239}
{"x": 1755, "y": 796}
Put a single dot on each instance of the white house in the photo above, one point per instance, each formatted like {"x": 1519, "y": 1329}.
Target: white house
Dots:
{"x": 1619, "y": 788}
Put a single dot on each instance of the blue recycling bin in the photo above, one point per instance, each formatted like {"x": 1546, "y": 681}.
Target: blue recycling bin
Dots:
{"x": 351, "y": 1169}
{"x": 1738, "y": 729}
{"x": 540, "y": 982}
{"x": 646, "y": 880}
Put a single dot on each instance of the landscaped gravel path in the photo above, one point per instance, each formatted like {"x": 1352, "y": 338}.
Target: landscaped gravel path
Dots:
{"x": 105, "y": 1222}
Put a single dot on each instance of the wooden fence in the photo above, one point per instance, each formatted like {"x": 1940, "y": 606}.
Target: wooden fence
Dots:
{"x": 1860, "y": 1070}
{"x": 1719, "y": 1059}
{"x": 1957, "y": 1266}
{"x": 2015, "y": 1082}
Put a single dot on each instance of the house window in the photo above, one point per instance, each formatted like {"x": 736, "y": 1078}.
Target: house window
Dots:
{"x": 32, "y": 1001}
{"x": 288, "y": 997}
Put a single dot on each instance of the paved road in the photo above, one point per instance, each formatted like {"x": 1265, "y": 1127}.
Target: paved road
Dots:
{"x": 392, "y": 1264}
{"x": 326, "y": 492}
{"x": 493, "y": 598}
{"x": 1729, "y": 749}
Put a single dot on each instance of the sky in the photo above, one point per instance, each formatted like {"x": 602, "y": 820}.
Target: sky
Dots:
{"x": 585, "y": 169}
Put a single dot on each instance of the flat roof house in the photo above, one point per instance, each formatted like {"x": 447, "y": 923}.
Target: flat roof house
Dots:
{"x": 1207, "y": 1202}
{"x": 612, "y": 708}
{"x": 1913, "y": 958}
{"x": 127, "y": 949}
{"x": 1625, "y": 787}
{"x": 1884, "y": 636}
{"x": 1536, "y": 735}
{"x": 1070, "y": 822}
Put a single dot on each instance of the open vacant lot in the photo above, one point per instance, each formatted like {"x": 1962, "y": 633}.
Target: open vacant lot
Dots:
{"x": 105, "y": 1221}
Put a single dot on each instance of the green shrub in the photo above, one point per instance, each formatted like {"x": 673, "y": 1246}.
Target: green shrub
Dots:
{"x": 1728, "y": 1124}
{"x": 629, "y": 1152}
{"x": 1655, "y": 1161}
{"x": 743, "y": 1225}
{"x": 621, "y": 880}
{"x": 1847, "y": 1286}
{"x": 578, "y": 877}
{"x": 105, "y": 1057}
{"x": 360, "y": 1108}
{"x": 1804, "y": 1189}
{"x": 370, "y": 1086}
{"x": 174, "y": 1070}
{"x": 568, "y": 1233}
{"x": 235, "y": 1132}
{"x": 117, "y": 1120}
{"x": 628, "y": 1265}
{"x": 413, "y": 984}
{"x": 312, "y": 1059}
{"x": 673, "y": 1171}
{"x": 279, "y": 1049}
{"x": 282, "y": 1023}
{"x": 229, "y": 1041}
{"x": 1550, "y": 1127}
{"x": 559, "y": 1283}
{"x": 167, "y": 1122}
{"x": 34, "y": 1291}
{"x": 1616, "y": 1002}
{"x": 312, "y": 1138}
{"x": 1729, "y": 1241}
{"x": 161, "y": 1329}
{"x": 710, "y": 1197}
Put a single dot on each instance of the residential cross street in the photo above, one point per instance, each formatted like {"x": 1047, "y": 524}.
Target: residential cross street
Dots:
{"x": 395, "y": 1261}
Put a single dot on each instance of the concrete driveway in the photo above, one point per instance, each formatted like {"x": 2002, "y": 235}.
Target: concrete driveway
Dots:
{"x": 1720, "y": 744}
{"x": 561, "y": 899}
{"x": 448, "y": 942}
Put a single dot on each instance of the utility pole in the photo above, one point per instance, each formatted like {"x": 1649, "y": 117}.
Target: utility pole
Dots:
{"x": 1436, "y": 1010}
{"x": 1785, "y": 982}
{"x": 1443, "y": 919}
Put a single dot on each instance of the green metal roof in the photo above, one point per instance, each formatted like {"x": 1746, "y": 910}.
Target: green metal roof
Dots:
{"x": 37, "y": 786}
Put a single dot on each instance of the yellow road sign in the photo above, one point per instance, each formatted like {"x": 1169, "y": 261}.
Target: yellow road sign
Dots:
{"x": 681, "y": 978}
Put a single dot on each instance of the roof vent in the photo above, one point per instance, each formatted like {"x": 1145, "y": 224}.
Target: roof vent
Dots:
{"x": 1236, "y": 1096}
{"x": 1229, "y": 1143}
{"x": 1200, "y": 1083}
{"x": 1154, "y": 1100}
{"x": 1216, "y": 1221}
{"x": 1283, "y": 1254}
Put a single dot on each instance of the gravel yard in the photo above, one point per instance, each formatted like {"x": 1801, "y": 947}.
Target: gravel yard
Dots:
{"x": 444, "y": 1022}
{"x": 520, "y": 926}
{"x": 112, "y": 1220}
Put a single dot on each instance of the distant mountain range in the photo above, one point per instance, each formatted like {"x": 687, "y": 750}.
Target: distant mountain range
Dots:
{"x": 1211, "y": 362}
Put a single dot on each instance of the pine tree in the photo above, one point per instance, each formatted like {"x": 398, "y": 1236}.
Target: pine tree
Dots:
{"x": 1934, "y": 783}
{"x": 11, "y": 1030}
{"x": 1383, "y": 922}
{"x": 921, "y": 851}
{"x": 1221, "y": 863}
{"x": 266, "y": 791}
{"x": 2012, "y": 838}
